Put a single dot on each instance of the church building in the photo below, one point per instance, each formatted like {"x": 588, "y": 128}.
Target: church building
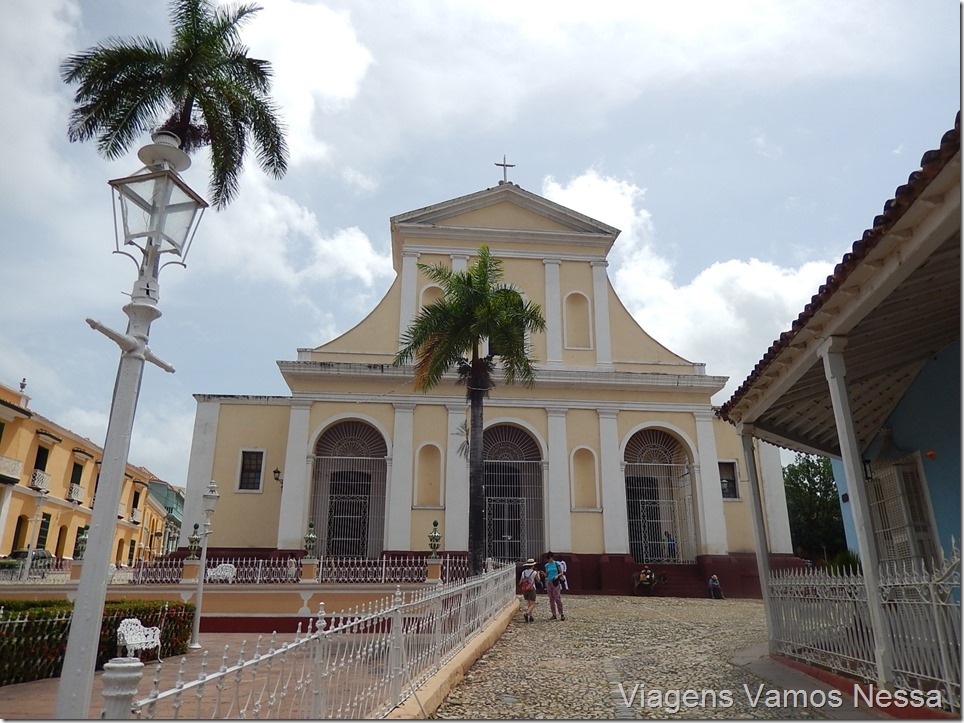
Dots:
{"x": 614, "y": 458}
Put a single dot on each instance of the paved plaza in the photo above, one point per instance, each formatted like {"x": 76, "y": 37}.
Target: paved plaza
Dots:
{"x": 652, "y": 648}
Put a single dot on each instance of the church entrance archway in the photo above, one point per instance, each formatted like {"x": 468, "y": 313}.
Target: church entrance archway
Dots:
{"x": 659, "y": 499}
{"x": 512, "y": 468}
{"x": 348, "y": 490}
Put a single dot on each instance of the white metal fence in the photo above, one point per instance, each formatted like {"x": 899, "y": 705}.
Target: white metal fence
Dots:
{"x": 388, "y": 569}
{"x": 250, "y": 570}
{"x": 42, "y": 571}
{"x": 822, "y": 617}
{"x": 359, "y": 663}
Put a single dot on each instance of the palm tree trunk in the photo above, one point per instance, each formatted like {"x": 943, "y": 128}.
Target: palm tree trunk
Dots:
{"x": 476, "y": 482}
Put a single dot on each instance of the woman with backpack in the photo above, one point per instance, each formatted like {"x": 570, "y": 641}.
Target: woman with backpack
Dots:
{"x": 527, "y": 585}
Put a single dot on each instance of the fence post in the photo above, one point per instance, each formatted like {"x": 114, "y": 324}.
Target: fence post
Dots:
{"x": 320, "y": 677}
{"x": 438, "y": 610}
{"x": 395, "y": 650}
{"x": 120, "y": 680}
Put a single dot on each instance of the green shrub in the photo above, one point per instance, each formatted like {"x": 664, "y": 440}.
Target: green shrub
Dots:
{"x": 33, "y": 648}
{"x": 846, "y": 562}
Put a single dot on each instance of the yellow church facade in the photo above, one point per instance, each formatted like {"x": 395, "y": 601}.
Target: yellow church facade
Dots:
{"x": 614, "y": 458}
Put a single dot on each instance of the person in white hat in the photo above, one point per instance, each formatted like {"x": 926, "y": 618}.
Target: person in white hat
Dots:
{"x": 527, "y": 584}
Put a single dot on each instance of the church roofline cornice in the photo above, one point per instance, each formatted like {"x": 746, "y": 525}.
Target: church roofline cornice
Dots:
{"x": 481, "y": 234}
{"x": 552, "y": 378}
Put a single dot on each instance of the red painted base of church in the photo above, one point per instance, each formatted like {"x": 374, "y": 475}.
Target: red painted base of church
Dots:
{"x": 613, "y": 574}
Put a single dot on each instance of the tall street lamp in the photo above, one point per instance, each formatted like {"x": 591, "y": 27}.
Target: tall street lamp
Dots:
{"x": 159, "y": 214}
{"x": 210, "y": 502}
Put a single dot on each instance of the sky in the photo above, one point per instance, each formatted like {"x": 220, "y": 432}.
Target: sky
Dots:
{"x": 741, "y": 146}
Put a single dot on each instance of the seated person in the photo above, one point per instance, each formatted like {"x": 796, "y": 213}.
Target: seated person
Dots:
{"x": 645, "y": 579}
{"x": 716, "y": 592}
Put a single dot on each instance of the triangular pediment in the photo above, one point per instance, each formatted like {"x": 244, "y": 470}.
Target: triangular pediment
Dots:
{"x": 517, "y": 205}
{"x": 504, "y": 216}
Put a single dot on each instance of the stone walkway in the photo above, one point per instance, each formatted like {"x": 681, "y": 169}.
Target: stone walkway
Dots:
{"x": 597, "y": 663}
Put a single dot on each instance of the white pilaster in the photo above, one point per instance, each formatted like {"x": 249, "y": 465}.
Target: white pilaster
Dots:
{"x": 200, "y": 467}
{"x": 553, "y": 311}
{"x": 712, "y": 523}
{"x": 408, "y": 304}
{"x": 456, "y": 483}
{"x": 831, "y": 351}
{"x": 559, "y": 528}
{"x": 600, "y": 302}
{"x": 6, "y": 494}
{"x": 296, "y": 490}
{"x": 398, "y": 505}
{"x": 460, "y": 262}
{"x": 615, "y": 520}
{"x": 774, "y": 499}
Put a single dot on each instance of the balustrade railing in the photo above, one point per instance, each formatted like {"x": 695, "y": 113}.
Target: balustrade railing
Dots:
{"x": 158, "y": 572}
{"x": 255, "y": 570}
{"x": 40, "y": 480}
{"x": 822, "y": 617}
{"x": 358, "y": 663}
{"x": 388, "y": 569}
{"x": 75, "y": 493}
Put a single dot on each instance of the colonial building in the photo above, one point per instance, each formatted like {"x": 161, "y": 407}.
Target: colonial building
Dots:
{"x": 48, "y": 478}
{"x": 615, "y": 457}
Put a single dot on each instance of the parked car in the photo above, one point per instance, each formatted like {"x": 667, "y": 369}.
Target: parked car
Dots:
{"x": 39, "y": 560}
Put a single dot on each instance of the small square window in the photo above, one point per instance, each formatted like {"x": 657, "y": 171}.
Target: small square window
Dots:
{"x": 251, "y": 464}
{"x": 728, "y": 481}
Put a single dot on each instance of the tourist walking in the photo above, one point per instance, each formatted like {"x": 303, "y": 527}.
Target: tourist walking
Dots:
{"x": 555, "y": 580}
{"x": 527, "y": 584}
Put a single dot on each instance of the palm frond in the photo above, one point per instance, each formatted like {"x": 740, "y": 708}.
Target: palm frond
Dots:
{"x": 205, "y": 87}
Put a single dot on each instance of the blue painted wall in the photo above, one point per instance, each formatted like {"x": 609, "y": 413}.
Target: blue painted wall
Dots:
{"x": 928, "y": 420}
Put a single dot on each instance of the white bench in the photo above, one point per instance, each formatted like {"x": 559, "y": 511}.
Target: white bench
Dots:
{"x": 131, "y": 634}
{"x": 224, "y": 572}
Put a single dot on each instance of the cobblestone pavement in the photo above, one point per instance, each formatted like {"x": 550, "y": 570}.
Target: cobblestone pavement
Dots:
{"x": 596, "y": 663}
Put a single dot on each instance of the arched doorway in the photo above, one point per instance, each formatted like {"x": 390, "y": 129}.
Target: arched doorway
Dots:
{"x": 512, "y": 467}
{"x": 659, "y": 498}
{"x": 61, "y": 546}
{"x": 348, "y": 490}
{"x": 20, "y": 533}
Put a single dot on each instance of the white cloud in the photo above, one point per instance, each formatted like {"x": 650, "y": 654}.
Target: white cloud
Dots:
{"x": 270, "y": 237}
{"x": 359, "y": 180}
{"x": 318, "y": 63}
{"x": 727, "y": 316}
{"x": 765, "y": 147}
{"x": 483, "y": 63}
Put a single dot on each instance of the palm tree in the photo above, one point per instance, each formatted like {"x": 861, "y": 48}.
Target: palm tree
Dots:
{"x": 475, "y": 305}
{"x": 204, "y": 89}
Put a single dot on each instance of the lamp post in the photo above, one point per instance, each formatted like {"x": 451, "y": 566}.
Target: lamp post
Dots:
{"x": 210, "y": 502}
{"x": 159, "y": 214}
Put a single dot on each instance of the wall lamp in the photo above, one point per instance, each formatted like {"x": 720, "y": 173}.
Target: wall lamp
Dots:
{"x": 277, "y": 475}
{"x": 868, "y": 469}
